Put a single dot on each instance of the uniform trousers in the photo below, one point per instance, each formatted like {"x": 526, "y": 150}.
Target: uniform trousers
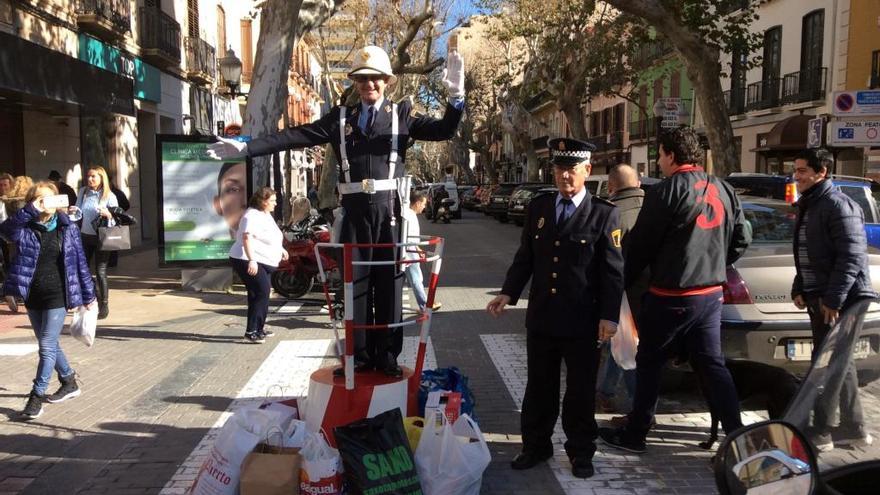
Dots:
{"x": 378, "y": 289}
{"x": 540, "y": 407}
{"x": 667, "y": 325}
{"x": 841, "y": 394}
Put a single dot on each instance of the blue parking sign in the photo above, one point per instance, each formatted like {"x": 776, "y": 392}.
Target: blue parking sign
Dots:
{"x": 846, "y": 133}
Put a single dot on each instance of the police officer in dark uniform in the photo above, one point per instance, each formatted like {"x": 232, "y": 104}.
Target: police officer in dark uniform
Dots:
{"x": 370, "y": 140}
{"x": 570, "y": 248}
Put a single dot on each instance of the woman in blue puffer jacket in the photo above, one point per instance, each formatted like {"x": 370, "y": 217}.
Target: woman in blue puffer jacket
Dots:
{"x": 51, "y": 275}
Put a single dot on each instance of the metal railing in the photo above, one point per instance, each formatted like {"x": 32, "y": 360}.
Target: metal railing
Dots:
{"x": 643, "y": 129}
{"x": 763, "y": 94}
{"x": 607, "y": 142}
{"x": 160, "y": 32}
{"x": 200, "y": 58}
{"x": 804, "y": 85}
{"x": 116, "y": 12}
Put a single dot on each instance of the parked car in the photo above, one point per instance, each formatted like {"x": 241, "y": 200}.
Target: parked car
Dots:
{"x": 759, "y": 321}
{"x": 497, "y": 205}
{"x": 521, "y": 197}
{"x": 782, "y": 187}
{"x": 466, "y": 196}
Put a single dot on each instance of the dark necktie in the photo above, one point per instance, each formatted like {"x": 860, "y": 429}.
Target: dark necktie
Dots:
{"x": 371, "y": 117}
{"x": 562, "y": 217}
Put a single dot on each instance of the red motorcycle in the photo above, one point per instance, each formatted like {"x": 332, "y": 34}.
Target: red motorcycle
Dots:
{"x": 296, "y": 275}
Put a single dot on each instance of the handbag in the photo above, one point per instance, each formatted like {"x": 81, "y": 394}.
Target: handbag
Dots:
{"x": 115, "y": 238}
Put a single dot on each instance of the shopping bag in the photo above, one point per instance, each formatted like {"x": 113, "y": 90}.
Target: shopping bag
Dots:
{"x": 84, "y": 324}
{"x": 451, "y": 457}
{"x": 450, "y": 379}
{"x": 221, "y": 471}
{"x": 413, "y": 426}
{"x": 271, "y": 469}
{"x": 377, "y": 457}
{"x": 320, "y": 471}
{"x": 625, "y": 342}
{"x": 115, "y": 238}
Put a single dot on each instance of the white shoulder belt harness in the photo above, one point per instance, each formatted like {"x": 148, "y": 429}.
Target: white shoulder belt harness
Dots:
{"x": 369, "y": 186}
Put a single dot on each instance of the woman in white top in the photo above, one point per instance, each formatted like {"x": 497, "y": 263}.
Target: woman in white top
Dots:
{"x": 255, "y": 255}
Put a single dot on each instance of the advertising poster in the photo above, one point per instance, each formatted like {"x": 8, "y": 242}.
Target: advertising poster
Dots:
{"x": 202, "y": 200}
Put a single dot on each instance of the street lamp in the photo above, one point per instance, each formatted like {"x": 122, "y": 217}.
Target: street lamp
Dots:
{"x": 230, "y": 71}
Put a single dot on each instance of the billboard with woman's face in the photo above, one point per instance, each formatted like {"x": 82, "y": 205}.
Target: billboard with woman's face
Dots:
{"x": 201, "y": 200}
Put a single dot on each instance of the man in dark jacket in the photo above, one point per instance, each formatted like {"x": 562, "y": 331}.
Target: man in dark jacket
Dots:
{"x": 570, "y": 249}
{"x": 370, "y": 140}
{"x": 627, "y": 195}
{"x": 833, "y": 278}
{"x": 690, "y": 228}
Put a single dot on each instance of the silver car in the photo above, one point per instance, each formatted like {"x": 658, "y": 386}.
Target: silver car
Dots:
{"x": 759, "y": 321}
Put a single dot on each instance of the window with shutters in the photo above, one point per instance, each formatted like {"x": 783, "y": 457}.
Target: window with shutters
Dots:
{"x": 192, "y": 17}
{"x": 812, "y": 39}
{"x": 675, "y": 84}
{"x": 221, "y": 31}
{"x": 618, "y": 117}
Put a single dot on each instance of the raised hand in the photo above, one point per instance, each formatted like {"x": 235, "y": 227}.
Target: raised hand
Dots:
{"x": 453, "y": 75}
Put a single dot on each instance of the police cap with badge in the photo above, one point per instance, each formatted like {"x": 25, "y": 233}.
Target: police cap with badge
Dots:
{"x": 566, "y": 152}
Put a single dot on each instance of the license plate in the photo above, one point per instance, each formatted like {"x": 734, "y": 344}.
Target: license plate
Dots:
{"x": 518, "y": 207}
{"x": 499, "y": 200}
{"x": 802, "y": 349}
{"x": 799, "y": 349}
{"x": 862, "y": 349}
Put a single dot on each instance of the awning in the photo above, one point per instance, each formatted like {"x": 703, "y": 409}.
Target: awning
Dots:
{"x": 789, "y": 134}
{"x": 32, "y": 69}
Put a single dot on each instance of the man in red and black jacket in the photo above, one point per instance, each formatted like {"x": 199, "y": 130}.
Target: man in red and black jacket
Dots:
{"x": 690, "y": 228}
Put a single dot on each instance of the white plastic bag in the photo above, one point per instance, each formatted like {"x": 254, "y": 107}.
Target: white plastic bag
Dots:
{"x": 321, "y": 469}
{"x": 625, "y": 342}
{"x": 221, "y": 471}
{"x": 84, "y": 323}
{"x": 452, "y": 458}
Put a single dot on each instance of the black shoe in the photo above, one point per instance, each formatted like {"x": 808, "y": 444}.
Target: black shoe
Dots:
{"x": 34, "y": 407}
{"x": 528, "y": 460}
{"x": 582, "y": 467}
{"x": 103, "y": 311}
{"x": 361, "y": 365}
{"x": 69, "y": 389}
{"x": 390, "y": 367}
{"x": 255, "y": 338}
{"x": 619, "y": 439}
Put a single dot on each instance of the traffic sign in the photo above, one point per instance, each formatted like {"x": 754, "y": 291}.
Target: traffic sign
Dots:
{"x": 859, "y": 103}
{"x": 814, "y": 133}
{"x": 854, "y": 133}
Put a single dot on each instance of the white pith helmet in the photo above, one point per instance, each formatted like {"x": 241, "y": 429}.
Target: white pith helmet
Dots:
{"x": 372, "y": 60}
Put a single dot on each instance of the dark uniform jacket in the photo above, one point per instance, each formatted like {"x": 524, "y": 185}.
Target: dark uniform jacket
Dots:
{"x": 577, "y": 273}
{"x": 836, "y": 245}
{"x": 367, "y": 154}
{"x": 690, "y": 228}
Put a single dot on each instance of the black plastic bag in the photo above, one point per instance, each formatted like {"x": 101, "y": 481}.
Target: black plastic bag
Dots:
{"x": 377, "y": 457}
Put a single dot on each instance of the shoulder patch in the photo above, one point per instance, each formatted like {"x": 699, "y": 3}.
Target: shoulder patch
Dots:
{"x": 615, "y": 237}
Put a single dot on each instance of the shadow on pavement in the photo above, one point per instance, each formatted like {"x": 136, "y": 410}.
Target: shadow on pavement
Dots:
{"x": 208, "y": 402}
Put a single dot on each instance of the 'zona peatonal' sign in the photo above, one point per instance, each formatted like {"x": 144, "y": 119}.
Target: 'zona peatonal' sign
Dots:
{"x": 854, "y": 133}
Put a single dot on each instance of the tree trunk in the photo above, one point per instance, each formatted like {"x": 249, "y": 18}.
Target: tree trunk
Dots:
{"x": 282, "y": 24}
{"x": 572, "y": 111}
{"x": 532, "y": 164}
{"x": 703, "y": 70}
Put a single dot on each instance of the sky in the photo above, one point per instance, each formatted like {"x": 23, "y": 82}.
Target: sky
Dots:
{"x": 461, "y": 9}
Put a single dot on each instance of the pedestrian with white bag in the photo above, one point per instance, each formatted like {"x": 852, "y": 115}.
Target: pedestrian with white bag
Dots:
{"x": 51, "y": 275}
{"x": 451, "y": 458}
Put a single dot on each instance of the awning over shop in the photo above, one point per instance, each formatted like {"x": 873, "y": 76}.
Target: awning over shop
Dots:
{"x": 787, "y": 135}
{"x": 31, "y": 69}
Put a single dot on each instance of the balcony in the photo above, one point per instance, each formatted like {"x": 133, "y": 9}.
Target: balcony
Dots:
{"x": 763, "y": 94}
{"x": 109, "y": 19}
{"x": 735, "y": 101}
{"x": 160, "y": 38}
{"x": 200, "y": 62}
{"x": 607, "y": 142}
{"x": 647, "y": 54}
{"x": 805, "y": 85}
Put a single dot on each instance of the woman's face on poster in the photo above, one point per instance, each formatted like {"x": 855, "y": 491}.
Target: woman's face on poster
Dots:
{"x": 231, "y": 199}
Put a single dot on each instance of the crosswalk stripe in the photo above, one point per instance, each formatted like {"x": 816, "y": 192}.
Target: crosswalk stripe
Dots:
{"x": 18, "y": 349}
{"x": 284, "y": 373}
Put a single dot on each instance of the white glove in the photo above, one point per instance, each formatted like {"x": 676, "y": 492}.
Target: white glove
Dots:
{"x": 227, "y": 148}
{"x": 453, "y": 75}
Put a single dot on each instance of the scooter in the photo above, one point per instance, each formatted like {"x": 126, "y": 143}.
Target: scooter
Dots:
{"x": 444, "y": 211}
{"x": 296, "y": 275}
